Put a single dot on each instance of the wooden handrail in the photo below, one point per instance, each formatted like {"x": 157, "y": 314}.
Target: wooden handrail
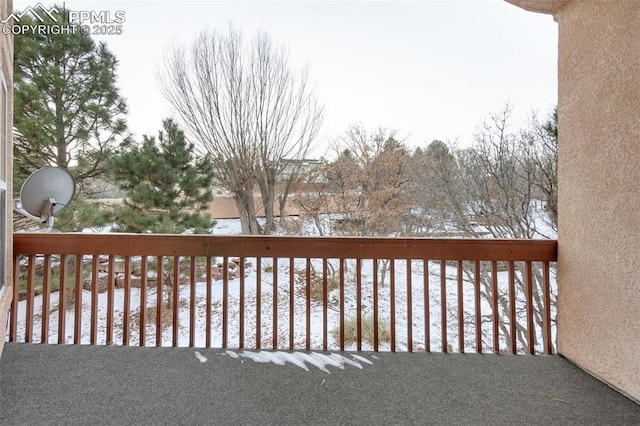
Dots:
{"x": 301, "y": 247}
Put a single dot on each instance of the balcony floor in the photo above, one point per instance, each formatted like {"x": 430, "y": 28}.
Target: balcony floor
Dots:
{"x": 66, "y": 384}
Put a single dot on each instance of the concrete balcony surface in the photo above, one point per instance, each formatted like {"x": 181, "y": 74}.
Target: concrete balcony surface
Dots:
{"x": 74, "y": 384}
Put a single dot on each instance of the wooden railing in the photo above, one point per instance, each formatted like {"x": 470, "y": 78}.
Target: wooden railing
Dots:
{"x": 449, "y": 295}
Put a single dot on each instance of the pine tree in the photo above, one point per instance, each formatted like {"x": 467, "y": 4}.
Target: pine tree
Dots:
{"x": 67, "y": 107}
{"x": 168, "y": 189}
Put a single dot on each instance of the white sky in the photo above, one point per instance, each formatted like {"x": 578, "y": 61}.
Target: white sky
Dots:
{"x": 430, "y": 69}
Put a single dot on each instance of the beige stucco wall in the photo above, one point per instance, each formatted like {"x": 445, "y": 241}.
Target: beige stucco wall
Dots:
{"x": 599, "y": 186}
{"x": 6, "y": 66}
{"x": 599, "y": 189}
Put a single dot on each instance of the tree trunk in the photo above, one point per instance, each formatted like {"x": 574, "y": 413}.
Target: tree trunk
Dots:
{"x": 267, "y": 191}
{"x": 246, "y": 209}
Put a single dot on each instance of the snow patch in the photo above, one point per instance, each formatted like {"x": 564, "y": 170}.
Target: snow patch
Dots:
{"x": 200, "y": 357}
{"x": 363, "y": 359}
{"x": 301, "y": 359}
{"x": 231, "y": 354}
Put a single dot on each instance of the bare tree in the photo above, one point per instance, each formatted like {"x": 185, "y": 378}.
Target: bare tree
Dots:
{"x": 314, "y": 198}
{"x": 371, "y": 184}
{"x": 499, "y": 181}
{"x": 502, "y": 178}
{"x": 243, "y": 104}
{"x": 542, "y": 138}
{"x": 436, "y": 178}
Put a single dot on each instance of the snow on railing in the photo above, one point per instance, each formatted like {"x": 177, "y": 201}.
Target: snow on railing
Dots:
{"x": 410, "y": 294}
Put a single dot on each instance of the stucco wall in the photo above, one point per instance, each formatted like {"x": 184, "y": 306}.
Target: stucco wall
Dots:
{"x": 599, "y": 189}
{"x": 599, "y": 186}
{"x": 6, "y": 66}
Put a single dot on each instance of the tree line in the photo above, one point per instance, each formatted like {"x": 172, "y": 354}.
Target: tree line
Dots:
{"x": 503, "y": 185}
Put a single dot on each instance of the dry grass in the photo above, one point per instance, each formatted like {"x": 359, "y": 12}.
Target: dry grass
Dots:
{"x": 351, "y": 331}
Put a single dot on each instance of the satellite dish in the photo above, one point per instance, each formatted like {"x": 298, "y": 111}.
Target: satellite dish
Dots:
{"x": 45, "y": 193}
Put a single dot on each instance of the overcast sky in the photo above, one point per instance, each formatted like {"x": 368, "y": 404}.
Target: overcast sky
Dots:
{"x": 430, "y": 69}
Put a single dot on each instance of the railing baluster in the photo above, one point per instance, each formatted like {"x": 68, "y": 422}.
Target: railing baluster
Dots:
{"x": 94, "y": 299}
{"x": 31, "y": 274}
{"x": 46, "y": 295}
{"x": 409, "y": 307}
{"x": 476, "y": 287}
{"x": 126, "y": 317}
{"x": 33, "y": 280}
{"x": 258, "y": 305}
{"x": 546, "y": 321}
{"x": 375, "y": 305}
{"x": 208, "y": 296}
{"x": 427, "y": 303}
{"x": 325, "y": 303}
{"x": 13, "y": 326}
{"x": 159, "y": 298}
{"x": 291, "y": 302}
{"x": 175, "y": 301}
{"x": 274, "y": 325}
{"x": 495, "y": 309}
{"x": 359, "y": 303}
{"x": 192, "y": 302}
{"x": 342, "y": 313}
{"x": 111, "y": 279}
{"x": 62, "y": 301}
{"x": 143, "y": 301}
{"x": 77, "y": 330}
{"x": 392, "y": 302}
{"x": 443, "y": 307}
{"x": 531, "y": 335}
{"x": 242, "y": 306}
{"x": 258, "y": 302}
{"x": 308, "y": 305}
{"x": 513, "y": 320}
{"x": 460, "y": 309}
